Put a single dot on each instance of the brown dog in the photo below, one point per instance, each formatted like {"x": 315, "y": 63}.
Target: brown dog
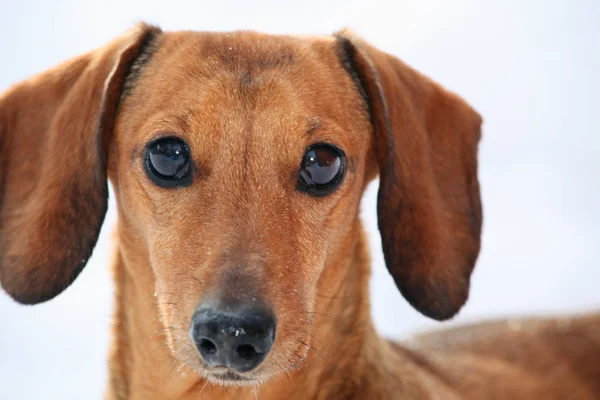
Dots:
{"x": 238, "y": 161}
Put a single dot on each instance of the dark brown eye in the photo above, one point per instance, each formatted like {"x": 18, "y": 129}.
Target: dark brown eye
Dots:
{"x": 322, "y": 170}
{"x": 168, "y": 162}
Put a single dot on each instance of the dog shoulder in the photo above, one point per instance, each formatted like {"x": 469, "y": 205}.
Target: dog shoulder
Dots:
{"x": 530, "y": 358}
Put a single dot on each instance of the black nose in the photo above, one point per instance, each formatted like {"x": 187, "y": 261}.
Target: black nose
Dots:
{"x": 239, "y": 340}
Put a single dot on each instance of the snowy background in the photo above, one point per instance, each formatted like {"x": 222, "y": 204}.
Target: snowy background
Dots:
{"x": 532, "y": 69}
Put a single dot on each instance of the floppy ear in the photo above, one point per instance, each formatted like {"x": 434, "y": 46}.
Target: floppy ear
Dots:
{"x": 54, "y": 133}
{"x": 429, "y": 207}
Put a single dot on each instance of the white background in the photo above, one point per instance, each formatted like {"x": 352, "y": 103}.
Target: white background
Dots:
{"x": 532, "y": 69}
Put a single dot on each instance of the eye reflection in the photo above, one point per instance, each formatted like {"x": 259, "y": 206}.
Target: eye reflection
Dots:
{"x": 168, "y": 162}
{"x": 321, "y": 170}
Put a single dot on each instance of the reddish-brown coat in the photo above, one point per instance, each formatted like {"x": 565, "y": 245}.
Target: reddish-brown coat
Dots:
{"x": 248, "y": 105}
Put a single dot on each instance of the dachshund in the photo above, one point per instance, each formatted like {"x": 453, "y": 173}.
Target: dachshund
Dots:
{"x": 238, "y": 162}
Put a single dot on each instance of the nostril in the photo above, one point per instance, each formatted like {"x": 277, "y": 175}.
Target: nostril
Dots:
{"x": 207, "y": 347}
{"x": 246, "y": 352}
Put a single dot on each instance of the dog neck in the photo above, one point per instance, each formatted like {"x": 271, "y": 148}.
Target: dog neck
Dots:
{"x": 344, "y": 357}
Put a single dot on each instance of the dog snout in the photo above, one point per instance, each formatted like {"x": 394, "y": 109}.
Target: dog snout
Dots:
{"x": 239, "y": 339}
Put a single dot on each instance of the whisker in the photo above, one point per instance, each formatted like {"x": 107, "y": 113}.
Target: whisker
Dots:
{"x": 344, "y": 285}
{"x": 154, "y": 334}
{"x": 312, "y": 348}
{"x": 170, "y": 372}
{"x": 297, "y": 367}
{"x": 320, "y": 313}
{"x": 310, "y": 335}
{"x": 337, "y": 297}
{"x": 227, "y": 391}
{"x": 165, "y": 303}
{"x": 289, "y": 379}
{"x": 153, "y": 295}
{"x": 288, "y": 375}
{"x": 202, "y": 390}
{"x": 163, "y": 345}
{"x": 158, "y": 331}
{"x": 301, "y": 359}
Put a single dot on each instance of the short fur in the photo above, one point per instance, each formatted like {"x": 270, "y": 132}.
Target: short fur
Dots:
{"x": 248, "y": 105}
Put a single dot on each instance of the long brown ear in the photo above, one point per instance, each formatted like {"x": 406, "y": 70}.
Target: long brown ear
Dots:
{"x": 54, "y": 133}
{"x": 429, "y": 207}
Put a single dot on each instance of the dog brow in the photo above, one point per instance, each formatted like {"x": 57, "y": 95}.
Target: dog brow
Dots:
{"x": 313, "y": 124}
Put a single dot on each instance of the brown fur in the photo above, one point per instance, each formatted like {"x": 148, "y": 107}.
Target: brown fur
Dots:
{"x": 248, "y": 105}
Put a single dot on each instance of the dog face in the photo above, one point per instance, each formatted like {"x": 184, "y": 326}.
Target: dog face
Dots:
{"x": 272, "y": 176}
{"x": 238, "y": 162}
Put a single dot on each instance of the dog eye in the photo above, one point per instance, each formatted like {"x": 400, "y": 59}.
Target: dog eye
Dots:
{"x": 168, "y": 162}
{"x": 322, "y": 170}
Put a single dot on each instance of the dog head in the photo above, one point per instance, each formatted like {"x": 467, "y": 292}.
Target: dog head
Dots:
{"x": 238, "y": 161}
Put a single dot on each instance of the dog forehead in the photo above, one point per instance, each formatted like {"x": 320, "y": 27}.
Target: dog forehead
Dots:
{"x": 194, "y": 65}
{"x": 228, "y": 82}
{"x": 242, "y": 49}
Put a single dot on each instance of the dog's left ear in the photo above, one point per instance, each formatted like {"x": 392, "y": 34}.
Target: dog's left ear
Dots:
{"x": 54, "y": 134}
{"x": 429, "y": 206}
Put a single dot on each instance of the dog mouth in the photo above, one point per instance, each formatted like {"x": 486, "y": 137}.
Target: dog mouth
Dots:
{"x": 231, "y": 376}
{"x": 226, "y": 376}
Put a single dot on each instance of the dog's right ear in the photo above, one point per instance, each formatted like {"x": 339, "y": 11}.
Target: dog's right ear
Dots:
{"x": 54, "y": 133}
